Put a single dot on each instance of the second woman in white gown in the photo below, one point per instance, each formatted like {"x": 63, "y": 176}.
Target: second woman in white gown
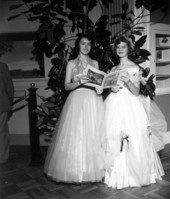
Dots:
{"x": 131, "y": 159}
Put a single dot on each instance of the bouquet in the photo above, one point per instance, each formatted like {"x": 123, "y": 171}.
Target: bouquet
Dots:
{"x": 147, "y": 86}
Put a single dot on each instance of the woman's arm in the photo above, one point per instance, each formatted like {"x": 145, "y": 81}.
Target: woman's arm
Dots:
{"x": 96, "y": 64}
{"x": 134, "y": 89}
{"x": 129, "y": 84}
{"x": 68, "y": 84}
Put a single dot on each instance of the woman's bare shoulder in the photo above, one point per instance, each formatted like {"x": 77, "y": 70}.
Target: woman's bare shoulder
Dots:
{"x": 132, "y": 64}
{"x": 71, "y": 63}
{"x": 95, "y": 63}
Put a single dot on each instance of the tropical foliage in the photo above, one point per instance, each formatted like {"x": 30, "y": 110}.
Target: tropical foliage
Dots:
{"x": 61, "y": 21}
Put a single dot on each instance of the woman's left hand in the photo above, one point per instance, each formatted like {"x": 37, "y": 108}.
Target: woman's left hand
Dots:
{"x": 83, "y": 79}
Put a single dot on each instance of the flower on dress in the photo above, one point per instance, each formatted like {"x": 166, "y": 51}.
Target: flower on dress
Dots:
{"x": 147, "y": 86}
{"x": 124, "y": 137}
{"x": 149, "y": 131}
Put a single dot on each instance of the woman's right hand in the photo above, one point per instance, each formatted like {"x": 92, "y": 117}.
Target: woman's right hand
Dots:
{"x": 115, "y": 89}
{"x": 83, "y": 79}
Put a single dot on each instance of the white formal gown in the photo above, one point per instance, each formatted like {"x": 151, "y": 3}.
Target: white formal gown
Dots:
{"x": 74, "y": 155}
{"x": 131, "y": 159}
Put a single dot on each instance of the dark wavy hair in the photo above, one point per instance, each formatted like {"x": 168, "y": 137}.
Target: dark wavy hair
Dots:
{"x": 120, "y": 39}
{"x": 76, "y": 49}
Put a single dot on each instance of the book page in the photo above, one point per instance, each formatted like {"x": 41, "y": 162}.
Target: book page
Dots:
{"x": 95, "y": 76}
{"x": 111, "y": 80}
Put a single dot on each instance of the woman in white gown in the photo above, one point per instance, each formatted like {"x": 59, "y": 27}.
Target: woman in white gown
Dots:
{"x": 131, "y": 159}
{"x": 74, "y": 154}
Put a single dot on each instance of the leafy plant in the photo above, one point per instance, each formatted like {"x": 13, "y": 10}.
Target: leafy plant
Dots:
{"x": 147, "y": 86}
{"x": 49, "y": 112}
{"x": 58, "y": 17}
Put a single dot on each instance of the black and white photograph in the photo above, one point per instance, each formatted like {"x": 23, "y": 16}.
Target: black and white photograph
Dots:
{"x": 84, "y": 99}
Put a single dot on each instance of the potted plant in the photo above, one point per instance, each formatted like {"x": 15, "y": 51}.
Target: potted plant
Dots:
{"x": 51, "y": 38}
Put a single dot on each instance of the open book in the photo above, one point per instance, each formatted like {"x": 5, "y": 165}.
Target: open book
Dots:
{"x": 101, "y": 79}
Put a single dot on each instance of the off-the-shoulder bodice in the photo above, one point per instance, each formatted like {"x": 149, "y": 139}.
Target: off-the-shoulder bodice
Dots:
{"x": 134, "y": 73}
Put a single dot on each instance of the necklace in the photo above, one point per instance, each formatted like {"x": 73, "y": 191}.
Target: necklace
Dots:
{"x": 83, "y": 62}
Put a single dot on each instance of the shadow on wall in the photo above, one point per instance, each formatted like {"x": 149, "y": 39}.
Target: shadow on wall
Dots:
{"x": 162, "y": 15}
{"x": 163, "y": 101}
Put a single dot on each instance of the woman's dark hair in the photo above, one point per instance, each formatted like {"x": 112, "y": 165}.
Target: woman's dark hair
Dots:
{"x": 125, "y": 40}
{"x": 76, "y": 49}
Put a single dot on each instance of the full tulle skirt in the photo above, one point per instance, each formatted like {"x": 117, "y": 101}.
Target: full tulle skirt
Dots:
{"x": 158, "y": 123}
{"x": 131, "y": 159}
{"x": 75, "y": 153}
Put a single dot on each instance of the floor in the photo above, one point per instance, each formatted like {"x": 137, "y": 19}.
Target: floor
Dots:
{"x": 19, "y": 180}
